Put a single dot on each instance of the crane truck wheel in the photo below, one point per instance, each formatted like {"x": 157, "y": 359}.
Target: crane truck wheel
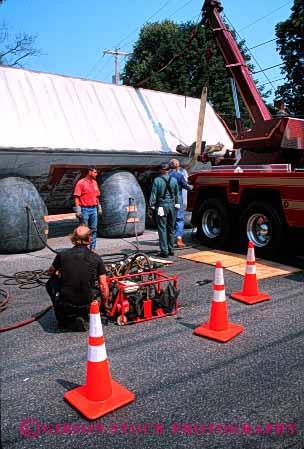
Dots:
{"x": 262, "y": 224}
{"x": 213, "y": 224}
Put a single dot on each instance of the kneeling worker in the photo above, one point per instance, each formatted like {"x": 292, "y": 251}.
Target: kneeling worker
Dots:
{"x": 72, "y": 283}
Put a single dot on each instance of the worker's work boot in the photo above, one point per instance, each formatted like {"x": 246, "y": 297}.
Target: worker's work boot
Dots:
{"x": 80, "y": 324}
{"x": 180, "y": 243}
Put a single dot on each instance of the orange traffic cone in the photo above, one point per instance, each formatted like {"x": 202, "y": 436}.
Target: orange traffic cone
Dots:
{"x": 101, "y": 394}
{"x": 250, "y": 293}
{"x": 218, "y": 327}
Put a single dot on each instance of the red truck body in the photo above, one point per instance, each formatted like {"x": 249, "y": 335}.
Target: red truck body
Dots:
{"x": 288, "y": 188}
{"x": 261, "y": 202}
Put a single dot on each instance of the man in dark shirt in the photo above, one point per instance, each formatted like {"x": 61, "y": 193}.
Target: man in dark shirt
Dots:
{"x": 74, "y": 274}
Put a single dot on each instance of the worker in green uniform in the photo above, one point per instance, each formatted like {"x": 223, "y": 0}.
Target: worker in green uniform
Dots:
{"x": 164, "y": 200}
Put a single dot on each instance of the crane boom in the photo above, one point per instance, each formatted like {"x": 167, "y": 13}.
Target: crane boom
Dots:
{"x": 275, "y": 139}
{"x": 235, "y": 62}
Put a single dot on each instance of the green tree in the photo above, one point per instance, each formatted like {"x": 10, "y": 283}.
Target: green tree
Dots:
{"x": 158, "y": 43}
{"x": 290, "y": 44}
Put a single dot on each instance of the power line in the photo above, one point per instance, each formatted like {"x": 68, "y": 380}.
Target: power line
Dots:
{"x": 264, "y": 17}
{"x": 118, "y": 45}
{"x": 252, "y": 55}
{"x": 273, "y": 81}
{"x": 138, "y": 28}
{"x": 181, "y": 7}
{"x": 177, "y": 55}
{"x": 268, "y": 68}
{"x": 109, "y": 74}
{"x": 263, "y": 43}
{"x": 173, "y": 14}
{"x": 94, "y": 66}
{"x": 195, "y": 19}
{"x": 177, "y": 10}
{"x": 103, "y": 66}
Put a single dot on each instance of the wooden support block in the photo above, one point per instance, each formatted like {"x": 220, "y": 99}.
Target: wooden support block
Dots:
{"x": 59, "y": 217}
{"x": 237, "y": 263}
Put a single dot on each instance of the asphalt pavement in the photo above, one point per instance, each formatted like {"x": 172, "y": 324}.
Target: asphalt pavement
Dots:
{"x": 190, "y": 392}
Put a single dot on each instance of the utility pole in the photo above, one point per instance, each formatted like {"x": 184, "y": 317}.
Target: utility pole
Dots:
{"x": 116, "y": 53}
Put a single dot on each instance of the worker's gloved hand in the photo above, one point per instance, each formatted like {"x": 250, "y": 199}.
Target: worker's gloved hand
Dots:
{"x": 99, "y": 210}
{"x": 77, "y": 210}
{"x": 177, "y": 206}
{"x": 150, "y": 212}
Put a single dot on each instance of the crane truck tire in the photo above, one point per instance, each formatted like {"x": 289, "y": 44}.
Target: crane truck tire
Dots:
{"x": 123, "y": 205}
{"x": 262, "y": 224}
{"x": 22, "y": 212}
{"x": 213, "y": 223}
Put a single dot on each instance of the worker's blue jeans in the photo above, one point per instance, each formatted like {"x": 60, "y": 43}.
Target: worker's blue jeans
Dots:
{"x": 90, "y": 219}
{"x": 180, "y": 222}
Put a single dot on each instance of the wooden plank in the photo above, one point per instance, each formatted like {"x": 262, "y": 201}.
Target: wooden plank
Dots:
{"x": 211, "y": 257}
{"x": 59, "y": 217}
{"x": 163, "y": 261}
{"x": 200, "y": 128}
{"x": 237, "y": 263}
{"x": 266, "y": 270}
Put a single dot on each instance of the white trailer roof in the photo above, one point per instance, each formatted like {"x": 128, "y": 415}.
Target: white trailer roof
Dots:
{"x": 42, "y": 110}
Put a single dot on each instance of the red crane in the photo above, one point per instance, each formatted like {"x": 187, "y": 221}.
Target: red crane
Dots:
{"x": 270, "y": 139}
{"x": 261, "y": 198}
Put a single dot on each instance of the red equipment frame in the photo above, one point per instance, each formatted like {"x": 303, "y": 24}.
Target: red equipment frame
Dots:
{"x": 121, "y": 304}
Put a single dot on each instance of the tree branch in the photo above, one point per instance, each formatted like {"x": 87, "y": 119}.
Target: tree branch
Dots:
{"x": 19, "y": 59}
{"x": 10, "y": 51}
{"x": 18, "y": 49}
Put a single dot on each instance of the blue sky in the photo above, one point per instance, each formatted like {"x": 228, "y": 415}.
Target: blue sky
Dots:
{"x": 73, "y": 33}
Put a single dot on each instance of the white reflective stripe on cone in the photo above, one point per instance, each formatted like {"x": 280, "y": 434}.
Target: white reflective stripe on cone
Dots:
{"x": 219, "y": 295}
{"x": 97, "y": 353}
{"x": 250, "y": 255}
{"x": 219, "y": 276}
{"x": 250, "y": 269}
{"x": 95, "y": 325}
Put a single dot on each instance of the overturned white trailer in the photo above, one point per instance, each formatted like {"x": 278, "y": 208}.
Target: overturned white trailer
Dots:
{"x": 53, "y": 126}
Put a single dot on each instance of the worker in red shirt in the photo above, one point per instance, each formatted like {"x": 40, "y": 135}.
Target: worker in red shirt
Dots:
{"x": 87, "y": 205}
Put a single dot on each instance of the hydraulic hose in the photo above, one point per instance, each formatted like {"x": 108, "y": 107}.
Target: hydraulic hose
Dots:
{"x": 38, "y": 232}
{"x": 24, "y": 280}
{"x": 4, "y": 300}
{"x": 133, "y": 260}
{"x": 23, "y": 323}
{"x": 53, "y": 250}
